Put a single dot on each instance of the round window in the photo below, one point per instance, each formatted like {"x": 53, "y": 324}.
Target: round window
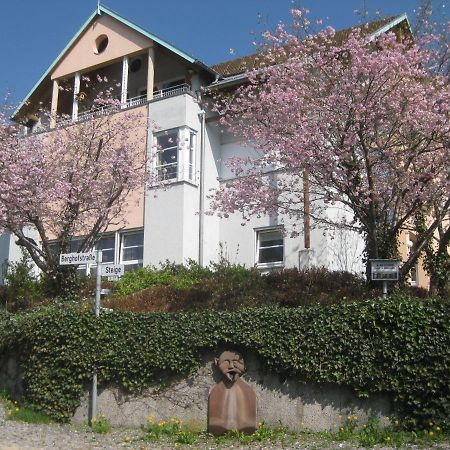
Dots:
{"x": 101, "y": 43}
{"x": 135, "y": 65}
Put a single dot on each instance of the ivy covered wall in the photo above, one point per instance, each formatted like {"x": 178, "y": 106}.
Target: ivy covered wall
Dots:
{"x": 399, "y": 346}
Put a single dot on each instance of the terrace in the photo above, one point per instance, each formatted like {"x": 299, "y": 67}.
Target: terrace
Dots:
{"x": 127, "y": 83}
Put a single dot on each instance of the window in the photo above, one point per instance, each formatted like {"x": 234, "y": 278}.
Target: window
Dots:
{"x": 117, "y": 248}
{"x": 132, "y": 250}
{"x": 175, "y": 155}
{"x": 101, "y": 43}
{"x": 191, "y": 159}
{"x": 167, "y": 155}
{"x": 269, "y": 247}
{"x": 107, "y": 245}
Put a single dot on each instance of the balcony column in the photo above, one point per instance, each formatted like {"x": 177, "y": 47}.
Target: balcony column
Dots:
{"x": 123, "y": 96}
{"x": 54, "y": 106}
{"x": 76, "y": 91}
{"x": 150, "y": 73}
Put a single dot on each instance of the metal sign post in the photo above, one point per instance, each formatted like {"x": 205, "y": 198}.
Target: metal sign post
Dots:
{"x": 384, "y": 270}
{"x": 75, "y": 259}
{"x": 98, "y": 290}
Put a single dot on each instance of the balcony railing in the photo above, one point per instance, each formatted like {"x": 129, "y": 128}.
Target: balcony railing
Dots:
{"x": 172, "y": 91}
{"x": 130, "y": 103}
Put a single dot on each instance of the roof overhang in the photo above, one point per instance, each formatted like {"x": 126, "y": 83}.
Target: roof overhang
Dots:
{"x": 233, "y": 80}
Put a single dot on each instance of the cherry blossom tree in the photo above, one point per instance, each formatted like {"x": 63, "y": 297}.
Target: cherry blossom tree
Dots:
{"x": 432, "y": 30}
{"x": 363, "y": 116}
{"x": 72, "y": 181}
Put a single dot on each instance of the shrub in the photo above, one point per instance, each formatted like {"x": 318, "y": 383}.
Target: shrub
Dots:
{"x": 293, "y": 287}
{"x": 23, "y": 289}
{"x": 226, "y": 287}
{"x": 175, "y": 275}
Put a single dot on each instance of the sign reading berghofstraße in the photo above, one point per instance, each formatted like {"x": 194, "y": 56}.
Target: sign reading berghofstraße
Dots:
{"x": 67, "y": 259}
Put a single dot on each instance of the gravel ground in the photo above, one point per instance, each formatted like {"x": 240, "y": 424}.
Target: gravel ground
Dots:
{"x": 24, "y": 436}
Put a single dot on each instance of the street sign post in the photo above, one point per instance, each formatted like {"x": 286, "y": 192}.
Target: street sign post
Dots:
{"x": 75, "y": 259}
{"x": 384, "y": 270}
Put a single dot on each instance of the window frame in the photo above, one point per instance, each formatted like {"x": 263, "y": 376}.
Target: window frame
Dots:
{"x": 258, "y": 233}
{"x": 130, "y": 262}
{"x": 186, "y": 162}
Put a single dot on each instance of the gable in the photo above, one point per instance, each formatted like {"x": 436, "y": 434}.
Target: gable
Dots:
{"x": 122, "y": 40}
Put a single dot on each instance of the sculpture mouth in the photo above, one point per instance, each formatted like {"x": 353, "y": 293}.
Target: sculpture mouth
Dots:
{"x": 232, "y": 374}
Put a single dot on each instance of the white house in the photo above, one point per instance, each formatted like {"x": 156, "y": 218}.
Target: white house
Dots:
{"x": 165, "y": 85}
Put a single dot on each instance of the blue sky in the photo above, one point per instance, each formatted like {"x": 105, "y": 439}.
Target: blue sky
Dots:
{"x": 33, "y": 32}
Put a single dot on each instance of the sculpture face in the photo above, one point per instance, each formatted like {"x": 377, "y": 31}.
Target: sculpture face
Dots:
{"x": 231, "y": 364}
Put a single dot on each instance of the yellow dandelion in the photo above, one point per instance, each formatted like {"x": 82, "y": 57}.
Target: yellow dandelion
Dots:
{"x": 396, "y": 422}
{"x": 431, "y": 433}
{"x": 438, "y": 429}
{"x": 355, "y": 417}
{"x": 430, "y": 423}
{"x": 342, "y": 429}
{"x": 364, "y": 426}
{"x": 302, "y": 424}
{"x": 17, "y": 409}
{"x": 349, "y": 418}
{"x": 340, "y": 417}
{"x": 94, "y": 420}
{"x": 388, "y": 438}
{"x": 151, "y": 418}
{"x": 387, "y": 418}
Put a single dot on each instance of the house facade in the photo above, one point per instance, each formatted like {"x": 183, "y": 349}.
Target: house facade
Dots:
{"x": 166, "y": 87}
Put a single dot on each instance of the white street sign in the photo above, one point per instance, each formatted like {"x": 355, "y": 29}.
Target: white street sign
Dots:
{"x": 113, "y": 270}
{"x": 68, "y": 259}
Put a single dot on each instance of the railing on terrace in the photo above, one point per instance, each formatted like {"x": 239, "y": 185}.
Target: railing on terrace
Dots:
{"x": 172, "y": 91}
{"x": 132, "y": 102}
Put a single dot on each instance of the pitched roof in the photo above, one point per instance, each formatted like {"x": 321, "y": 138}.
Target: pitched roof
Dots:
{"x": 249, "y": 62}
{"x": 98, "y": 12}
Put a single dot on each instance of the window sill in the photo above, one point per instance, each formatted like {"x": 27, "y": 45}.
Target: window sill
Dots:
{"x": 168, "y": 183}
{"x": 274, "y": 265}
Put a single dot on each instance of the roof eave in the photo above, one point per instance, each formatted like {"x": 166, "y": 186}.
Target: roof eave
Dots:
{"x": 235, "y": 79}
{"x": 390, "y": 25}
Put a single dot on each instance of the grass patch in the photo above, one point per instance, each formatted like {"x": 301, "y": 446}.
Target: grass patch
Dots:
{"x": 100, "y": 424}
{"x": 22, "y": 413}
{"x": 367, "y": 435}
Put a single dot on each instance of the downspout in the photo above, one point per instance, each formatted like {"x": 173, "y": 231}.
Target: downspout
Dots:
{"x": 201, "y": 208}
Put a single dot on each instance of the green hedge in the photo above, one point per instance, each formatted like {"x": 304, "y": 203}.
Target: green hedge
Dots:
{"x": 400, "y": 346}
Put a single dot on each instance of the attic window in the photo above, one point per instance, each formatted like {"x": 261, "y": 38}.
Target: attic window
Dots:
{"x": 101, "y": 43}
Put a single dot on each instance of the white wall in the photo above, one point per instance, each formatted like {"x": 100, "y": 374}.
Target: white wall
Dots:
{"x": 11, "y": 253}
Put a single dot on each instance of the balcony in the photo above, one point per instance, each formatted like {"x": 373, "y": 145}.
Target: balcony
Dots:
{"x": 130, "y": 103}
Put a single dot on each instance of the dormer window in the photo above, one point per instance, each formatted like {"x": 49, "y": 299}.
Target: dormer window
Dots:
{"x": 101, "y": 43}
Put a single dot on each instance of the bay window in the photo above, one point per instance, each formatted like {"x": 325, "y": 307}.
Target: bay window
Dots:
{"x": 174, "y": 155}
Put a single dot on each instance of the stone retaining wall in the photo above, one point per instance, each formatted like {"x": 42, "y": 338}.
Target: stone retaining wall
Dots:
{"x": 291, "y": 402}
{"x": 11, "y": 375}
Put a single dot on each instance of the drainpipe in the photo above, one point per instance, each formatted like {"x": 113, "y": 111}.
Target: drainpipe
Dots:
{"x": 201, "y": 208}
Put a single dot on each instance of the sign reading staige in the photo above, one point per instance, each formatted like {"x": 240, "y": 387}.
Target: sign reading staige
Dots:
{"x": 113, "y": 270}
{"x": 68, "y": 259}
